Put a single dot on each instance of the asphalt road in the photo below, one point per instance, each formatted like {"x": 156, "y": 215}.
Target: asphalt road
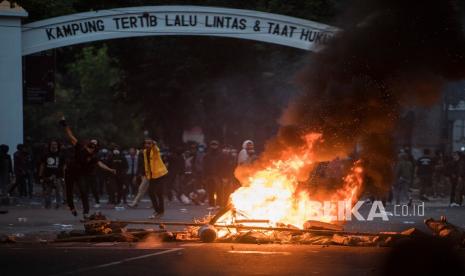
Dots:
{"x": 189, "y": 259}
{"x": 215, "y": 259}
{"x": 31, "y": 217}
{"x": 194, "y": 258}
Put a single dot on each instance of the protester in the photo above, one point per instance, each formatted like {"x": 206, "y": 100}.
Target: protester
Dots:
{"x": 230, "y": 181}
{"x": 131, "y": 173}
{"x": 175, "y": 164}
{"x": 144, "y": 184}
{"x": 118, "y": 191}
{"x": 153, "y": 170}
{"x": 424, "y": 171}
{"x": 197, "y": 154}
{"x": 101, "y": 176}
{"x": 191, "y": 188}
{"x": 243, "y": 157}
{"x": 215, "y": 174}
{"x": 69, "y": 155}
{"x": 438, "y": 174}
{"x": 6, "y": 169}
{"x": 82, "y": 170}
{"x": 231, "y": 161}
{"x": 51, "y": 174}
{"x": 455, "y": 170}
{"x": 403, "y": 178}
{"x": 93, "y": 178}
{"x": 30, "y": 166}
{"x": 20, "y": 170}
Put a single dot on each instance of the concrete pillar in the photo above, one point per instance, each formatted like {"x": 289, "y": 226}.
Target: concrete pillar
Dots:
{"x": 11, "y": 80}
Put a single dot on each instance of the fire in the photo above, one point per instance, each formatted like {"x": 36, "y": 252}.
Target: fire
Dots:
{"x": 273, "y": 192}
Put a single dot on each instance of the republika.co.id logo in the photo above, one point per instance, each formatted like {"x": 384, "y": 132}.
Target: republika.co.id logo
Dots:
{"x": 345, "y": 211}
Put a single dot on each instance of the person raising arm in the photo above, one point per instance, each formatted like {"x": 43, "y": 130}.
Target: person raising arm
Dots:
{"x": 90, "y": 147}
{"x": 81, "y": 169}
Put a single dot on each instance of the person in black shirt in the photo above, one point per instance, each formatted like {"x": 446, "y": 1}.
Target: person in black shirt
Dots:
{"x": 94, "y": 184}
{"x": 116, "y": 186}
{"x": 425, "y": 169}
{"x": 20, "y": 158}
{"x": 215, "y": 174}
{"x": 51, "y": 173}
{"x": 175, "y": 164}
{"x": 6, "y": 169}
{"x": 455, "y": 170}
{"x": 81, "y": 168}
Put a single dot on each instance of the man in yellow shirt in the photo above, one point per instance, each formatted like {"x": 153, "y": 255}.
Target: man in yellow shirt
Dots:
{"x": 153, "y": 171}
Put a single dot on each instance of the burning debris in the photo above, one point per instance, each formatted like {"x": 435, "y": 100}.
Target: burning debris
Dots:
{"x": 274, "y": 189}
{"x": 209, "y": 230}
{"x": 318, "y": 233}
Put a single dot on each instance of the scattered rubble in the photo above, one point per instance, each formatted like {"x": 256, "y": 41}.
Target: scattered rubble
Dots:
{"x": 445, "y": 230}
{"x": 100, "y": 229}
{"x": 320, "y": 233}
{"x": 319, "y": 225}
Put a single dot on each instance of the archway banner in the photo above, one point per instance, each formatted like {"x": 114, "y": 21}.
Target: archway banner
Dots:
{"x": 174, "y": 20}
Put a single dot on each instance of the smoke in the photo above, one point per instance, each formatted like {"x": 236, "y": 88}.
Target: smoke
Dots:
{"x": 151, "y": 241}
{"x": 390, "y": 54}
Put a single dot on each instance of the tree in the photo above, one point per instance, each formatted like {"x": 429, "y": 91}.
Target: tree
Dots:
{"x": 165, "y": 84}
{"x": 89, "y": 100}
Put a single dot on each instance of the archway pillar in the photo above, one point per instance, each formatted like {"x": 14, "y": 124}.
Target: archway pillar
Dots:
{"x": 11, "y": 86}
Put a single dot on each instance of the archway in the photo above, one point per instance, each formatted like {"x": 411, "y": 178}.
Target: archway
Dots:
{"x": 133, "y": 22}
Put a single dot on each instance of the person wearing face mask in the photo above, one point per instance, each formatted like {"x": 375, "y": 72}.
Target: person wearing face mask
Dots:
{"x": 51, "y": 173}
{"x": 81, "y": 170}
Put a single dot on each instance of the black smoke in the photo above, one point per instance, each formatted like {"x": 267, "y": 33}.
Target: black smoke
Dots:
{"x": 390, "y": 53}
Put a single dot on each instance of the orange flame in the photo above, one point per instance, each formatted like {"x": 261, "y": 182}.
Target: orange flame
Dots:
{"x": 272, "y": 192}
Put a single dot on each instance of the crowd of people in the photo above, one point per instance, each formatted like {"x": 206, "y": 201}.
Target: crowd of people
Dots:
{"x": 434, "y": 175}
{"x": 190, "y": 174}
{"x": 74, "y": 168}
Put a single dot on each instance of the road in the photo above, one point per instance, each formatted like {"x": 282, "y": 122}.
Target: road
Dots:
{"x": 30, "y": 217}
{"x": 213, "y": 259}
{"x": 189, "y": 259}
{"x": 195, "y": 258}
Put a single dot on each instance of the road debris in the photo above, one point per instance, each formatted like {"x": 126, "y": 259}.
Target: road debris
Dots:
{"x": 101, "y": 229}
{"x": 445, "y": 230}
